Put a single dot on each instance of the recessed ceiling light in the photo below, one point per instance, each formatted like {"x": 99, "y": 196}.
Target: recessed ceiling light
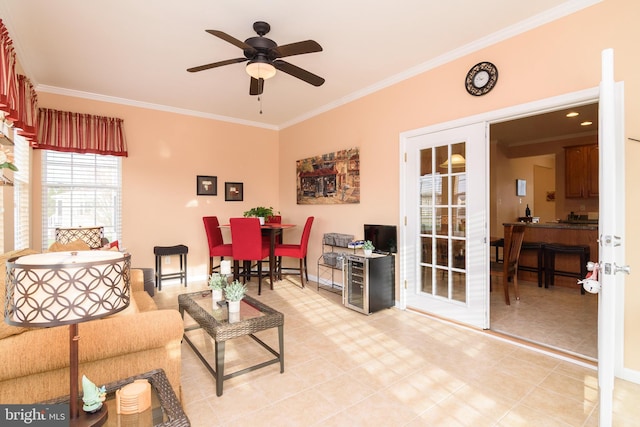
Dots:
{"x": 587, "y": 123}
{"x": 573, "y": 114}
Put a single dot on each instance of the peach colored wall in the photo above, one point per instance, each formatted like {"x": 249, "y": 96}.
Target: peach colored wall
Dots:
{"x": 552, "y": 60}
{"x": 166, "y": 152}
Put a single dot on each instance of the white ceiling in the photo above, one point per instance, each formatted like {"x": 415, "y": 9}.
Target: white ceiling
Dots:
{"x": 137, "y": 52}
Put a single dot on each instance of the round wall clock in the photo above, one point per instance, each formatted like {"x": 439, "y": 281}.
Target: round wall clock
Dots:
{"x": 481, "y": 78}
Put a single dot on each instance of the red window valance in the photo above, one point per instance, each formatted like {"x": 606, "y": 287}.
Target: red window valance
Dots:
{"x": 80, "y": 133}
{"x": 18, "y": 99}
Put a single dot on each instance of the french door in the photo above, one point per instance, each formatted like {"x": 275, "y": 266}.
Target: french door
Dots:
{"x": 611, "y": 235}
{"x": 434, "y": 277}
{"x": 445, "y": 206}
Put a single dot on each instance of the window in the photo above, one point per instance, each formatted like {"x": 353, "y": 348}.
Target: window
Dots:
{"x": 21, "y": 193}
{"x": 15, "y": 196}
{"x": 81, "y": 190}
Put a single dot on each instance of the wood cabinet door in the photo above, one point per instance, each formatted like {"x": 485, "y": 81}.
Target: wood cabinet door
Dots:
{"x": 592, "y": 176}
{"x": 581, "y": 171}
{"x": 574, "y": 171}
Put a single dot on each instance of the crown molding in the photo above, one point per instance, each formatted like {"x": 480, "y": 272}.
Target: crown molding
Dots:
{"x": 123, "y": 101}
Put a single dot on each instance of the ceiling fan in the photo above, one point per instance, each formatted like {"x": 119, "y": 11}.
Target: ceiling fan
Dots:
{"x": 264, "y": 56}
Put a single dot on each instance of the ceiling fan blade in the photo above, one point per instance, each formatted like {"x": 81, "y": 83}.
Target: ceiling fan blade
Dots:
{"x": 256, "y": 86}
{"x": 298, "y": 72}
{"x": 307, "y": 46}
{"x": 216, "y": 64}
{"x": 230, "y": 39}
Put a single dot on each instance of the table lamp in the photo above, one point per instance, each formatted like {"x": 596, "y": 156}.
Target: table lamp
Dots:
{"x": 66, "y": 288}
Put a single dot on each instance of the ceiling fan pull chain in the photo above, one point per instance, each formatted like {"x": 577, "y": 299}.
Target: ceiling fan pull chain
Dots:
{"x": 260, "y": 101}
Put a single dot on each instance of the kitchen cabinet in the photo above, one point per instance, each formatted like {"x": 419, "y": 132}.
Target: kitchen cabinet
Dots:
{"x": 581, "y": 171}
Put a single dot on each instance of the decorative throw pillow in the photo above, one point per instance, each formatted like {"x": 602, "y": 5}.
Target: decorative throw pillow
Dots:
{"x": 75, "y": 245}
{"x": 113, "y": 246}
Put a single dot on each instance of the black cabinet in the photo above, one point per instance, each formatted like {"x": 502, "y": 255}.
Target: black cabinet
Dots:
{"x": 369, "y": 282}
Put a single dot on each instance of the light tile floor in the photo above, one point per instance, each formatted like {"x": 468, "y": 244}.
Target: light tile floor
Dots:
{"x": 392, "y": 368}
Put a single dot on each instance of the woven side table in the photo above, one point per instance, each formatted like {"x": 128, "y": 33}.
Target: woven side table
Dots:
{"x": 165, "y": 408}
{"x": 254, "y": 317}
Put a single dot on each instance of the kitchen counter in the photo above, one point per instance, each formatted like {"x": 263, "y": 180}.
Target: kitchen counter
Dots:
{"x": 558, "y": 225}
{"x": 579, "y": 221}
{"x": 564, "y": 233}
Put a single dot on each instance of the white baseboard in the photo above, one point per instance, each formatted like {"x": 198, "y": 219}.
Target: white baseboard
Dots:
{"x": 630, "y": 375}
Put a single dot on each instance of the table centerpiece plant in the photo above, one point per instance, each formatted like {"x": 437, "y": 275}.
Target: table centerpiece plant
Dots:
{"x": 216, "y": 284}
{"x": 260, "y": 212}
{"x": 233, "y": 293}
{"x": 368, "y": 247}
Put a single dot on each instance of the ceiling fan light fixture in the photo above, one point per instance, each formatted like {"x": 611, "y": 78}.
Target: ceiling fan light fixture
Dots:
{"x": 260, "y": 70}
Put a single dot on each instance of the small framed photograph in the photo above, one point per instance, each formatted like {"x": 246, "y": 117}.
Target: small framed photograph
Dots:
{"x": 233, "y": 191}
{"x": 521, "y": 187}
{"x": 207, "y": 185}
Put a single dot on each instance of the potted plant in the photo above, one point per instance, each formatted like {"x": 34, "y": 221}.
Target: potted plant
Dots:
{"x": 216, "y": 284}
{"x": 234, "y": 292}
{"x": 368, "y": 247}
{"x": 259, "y": 212}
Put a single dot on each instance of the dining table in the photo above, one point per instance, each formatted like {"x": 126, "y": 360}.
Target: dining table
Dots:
{"x": 272, "y": 229}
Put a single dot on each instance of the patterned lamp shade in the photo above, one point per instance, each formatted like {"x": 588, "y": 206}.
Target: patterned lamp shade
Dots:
{"x": 61, "y": 288}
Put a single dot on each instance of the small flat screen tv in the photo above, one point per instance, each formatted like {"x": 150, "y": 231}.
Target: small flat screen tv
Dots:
{"x": 383, "y": 237}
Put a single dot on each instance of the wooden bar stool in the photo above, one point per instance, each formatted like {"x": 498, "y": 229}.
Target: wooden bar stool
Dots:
{"x": 181, "y": 251}
{"x": 498, "y": 243}
{"x": 550, "y": 252}
{"x": 539, "y": 269}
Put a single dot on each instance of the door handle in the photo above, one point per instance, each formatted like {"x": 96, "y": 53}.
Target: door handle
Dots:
{"x": 616, "y": 269}
{"x": 621, "y": 269}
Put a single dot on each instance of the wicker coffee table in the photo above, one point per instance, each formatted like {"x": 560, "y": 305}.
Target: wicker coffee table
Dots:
{"x": 254, "y": 317}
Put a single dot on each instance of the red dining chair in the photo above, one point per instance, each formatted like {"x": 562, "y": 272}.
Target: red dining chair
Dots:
{"x": 217, "y": 247}
{"x": 248, "y": 246}
{"x": 298, "y": 251}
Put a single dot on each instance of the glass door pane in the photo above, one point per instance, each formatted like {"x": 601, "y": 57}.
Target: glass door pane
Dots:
{"x": 443, "y": 221}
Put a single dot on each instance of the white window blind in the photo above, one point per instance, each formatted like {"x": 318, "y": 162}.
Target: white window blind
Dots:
{"x": 21, "y": 194}
{"x": 81, "y": 190}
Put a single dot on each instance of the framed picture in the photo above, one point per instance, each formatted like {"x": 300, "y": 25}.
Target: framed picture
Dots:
{"x": 521, "y": 187}
{"x": 207, "y": 185}
{"x": 551, "y": 196}
{"x": 329, "y": 179}
{"x": 233, "y": 191}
